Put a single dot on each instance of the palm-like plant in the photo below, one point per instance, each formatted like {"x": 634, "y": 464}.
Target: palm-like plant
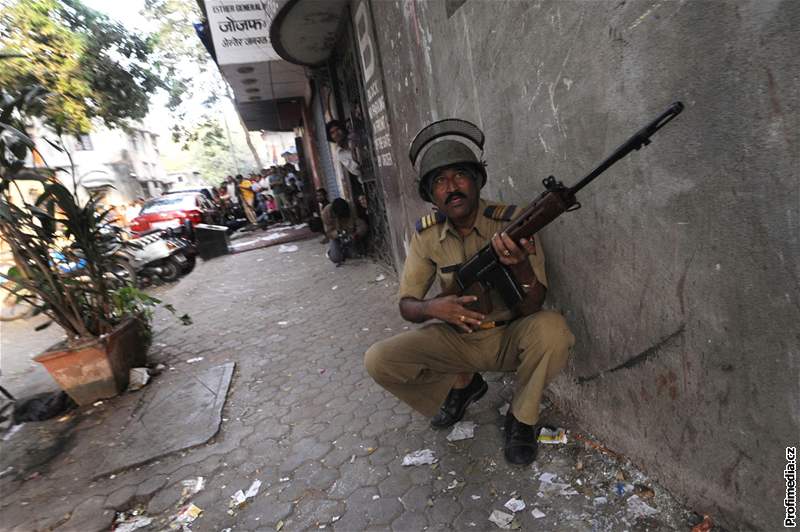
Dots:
{"x": 63, "y": 248}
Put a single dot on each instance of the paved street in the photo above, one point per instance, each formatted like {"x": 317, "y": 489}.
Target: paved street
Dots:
{"x": 304, "y": 418}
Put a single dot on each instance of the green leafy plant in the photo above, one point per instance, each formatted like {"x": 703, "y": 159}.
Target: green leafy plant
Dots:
{"x": 93, "y": 67}
{"x": 65, "y": 251}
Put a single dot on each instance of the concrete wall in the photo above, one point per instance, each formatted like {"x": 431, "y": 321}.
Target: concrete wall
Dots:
{"x": 680, "y": 276}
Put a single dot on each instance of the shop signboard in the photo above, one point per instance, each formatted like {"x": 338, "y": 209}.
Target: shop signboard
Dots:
{"x": 240, "y": 30}
{"x": 373, "y": 84}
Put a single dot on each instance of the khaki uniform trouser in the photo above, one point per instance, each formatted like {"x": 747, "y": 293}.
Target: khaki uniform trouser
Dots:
{"x": 420, "y": 366}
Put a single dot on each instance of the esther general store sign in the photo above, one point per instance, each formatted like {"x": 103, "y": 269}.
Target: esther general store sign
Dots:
{"x": 240, "y": 30}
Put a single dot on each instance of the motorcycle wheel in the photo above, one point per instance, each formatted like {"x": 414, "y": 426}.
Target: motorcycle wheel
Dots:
{"x": 122, "y": 273}
{"x": 170, "y": 270}
{"x": 189, "y": 265}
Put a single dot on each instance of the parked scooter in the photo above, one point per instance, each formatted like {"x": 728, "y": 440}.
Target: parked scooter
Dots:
{"x": 161, "y": 256}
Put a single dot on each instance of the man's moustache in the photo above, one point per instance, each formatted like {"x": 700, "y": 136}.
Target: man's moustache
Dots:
{"x": 453, "y": 196}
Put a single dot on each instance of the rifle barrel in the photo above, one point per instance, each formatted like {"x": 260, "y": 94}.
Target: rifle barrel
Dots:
{"x": 639, "y": 139}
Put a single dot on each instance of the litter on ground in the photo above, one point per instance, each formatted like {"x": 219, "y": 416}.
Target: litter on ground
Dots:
{"x": 421, "y": 457}
{"x": 547, "y": 484}
{"x": 515, "y": 505}
{"x": 137, "y": 378}
{"x": 462, "y": 430}
{"x": 186, "y": 516}
{"x": 284, "y": 248}
{"x": 639, "y": 508}
{"x": 537, "y": 513}
{"x": 132, "y": 524}
{"x": 192, "y": 486}
{"x": 193, "y": 360}
{"x": 501, "y": 519}
{"x": 552, "y": 436}
{"x": 241, "y": 497}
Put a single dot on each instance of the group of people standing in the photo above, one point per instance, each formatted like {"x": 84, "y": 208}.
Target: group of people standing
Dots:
{"x": 275, "y": 194}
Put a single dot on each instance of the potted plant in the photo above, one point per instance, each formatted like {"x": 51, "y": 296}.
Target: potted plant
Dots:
{"x": 67, "y": 267}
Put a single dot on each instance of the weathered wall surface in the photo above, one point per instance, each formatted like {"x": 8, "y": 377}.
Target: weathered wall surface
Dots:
{"x": 683, "y": 262}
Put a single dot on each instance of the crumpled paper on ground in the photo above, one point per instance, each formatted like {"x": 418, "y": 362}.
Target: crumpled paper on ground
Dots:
{"x": 421, "y": 457}
{"x": 553, "y": 436}
{"x": 639, "y": 508}
{"x": 132, "y": 523}
{"x": 186, "y": 516}
{"x": 137, "y": 378}
{"x": 287, "y": 248}
{"x": 501, "y": 519}
{"x": 240, "y": 497}
{"x": 192, "y": 486}
{"x": 463, "y": 430}
{"x": 515, "y": 505}
{"x": 547, "y": 484}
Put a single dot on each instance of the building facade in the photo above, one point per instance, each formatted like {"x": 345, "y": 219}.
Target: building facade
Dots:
{"x": 122, "y": 165}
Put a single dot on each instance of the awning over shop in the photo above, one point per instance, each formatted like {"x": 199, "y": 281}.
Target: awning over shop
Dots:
{"x": 304, "y": 32}
{"x": 271, "y": 115}
{"x": 268, "y": 91}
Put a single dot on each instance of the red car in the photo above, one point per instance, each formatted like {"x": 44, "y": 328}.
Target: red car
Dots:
{"x": 175, "y": 210}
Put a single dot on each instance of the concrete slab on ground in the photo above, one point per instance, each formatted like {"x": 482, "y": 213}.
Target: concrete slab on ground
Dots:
{"x": 280, "y": 234}
{"x": 171, "y": 417}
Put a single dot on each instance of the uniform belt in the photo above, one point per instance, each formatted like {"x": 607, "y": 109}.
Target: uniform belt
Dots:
{"x": 486, "y": 325}
{"x": 492, "y": 324}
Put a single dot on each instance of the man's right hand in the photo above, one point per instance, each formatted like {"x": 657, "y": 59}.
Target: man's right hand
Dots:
{"x": 451, "y": 309}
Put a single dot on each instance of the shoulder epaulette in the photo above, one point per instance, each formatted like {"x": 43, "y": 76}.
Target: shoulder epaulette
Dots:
{"x": 503, "y": 213}
{"x": 429, "y": 220}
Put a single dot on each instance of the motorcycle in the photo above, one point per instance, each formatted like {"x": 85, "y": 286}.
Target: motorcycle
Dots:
{"x": 161, "y": 256}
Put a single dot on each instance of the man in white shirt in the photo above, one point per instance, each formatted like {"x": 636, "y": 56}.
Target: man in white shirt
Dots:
{"x": 337, "y": 133}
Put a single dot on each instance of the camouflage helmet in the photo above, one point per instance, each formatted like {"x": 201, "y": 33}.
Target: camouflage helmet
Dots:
{"x": 445, "y": 152}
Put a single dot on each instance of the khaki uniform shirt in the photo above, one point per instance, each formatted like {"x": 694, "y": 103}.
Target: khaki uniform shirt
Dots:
{"x": 440, "y": 246}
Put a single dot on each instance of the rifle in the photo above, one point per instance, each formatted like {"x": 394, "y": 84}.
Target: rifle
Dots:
{"x": 484, "y": 270}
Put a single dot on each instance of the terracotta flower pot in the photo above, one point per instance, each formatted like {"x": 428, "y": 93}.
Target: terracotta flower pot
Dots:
{"x": 98, "y": 369}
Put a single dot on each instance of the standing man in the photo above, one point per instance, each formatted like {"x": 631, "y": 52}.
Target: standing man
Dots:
{"x": 345, "y": 230}
{"x": 435, "y": 368}
{"x": 247, "y": 195}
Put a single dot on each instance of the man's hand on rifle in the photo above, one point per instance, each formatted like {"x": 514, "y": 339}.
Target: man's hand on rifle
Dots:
{"x": 451, "y": 309}
{"x": 509, "y": 252}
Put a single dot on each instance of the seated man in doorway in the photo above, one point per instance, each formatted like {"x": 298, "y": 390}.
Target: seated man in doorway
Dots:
{"x": 435, "y": 369}
{"x": 344, "y": 229}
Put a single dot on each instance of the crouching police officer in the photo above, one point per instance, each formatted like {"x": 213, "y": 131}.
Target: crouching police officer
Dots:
{"x": 435, "y": 369}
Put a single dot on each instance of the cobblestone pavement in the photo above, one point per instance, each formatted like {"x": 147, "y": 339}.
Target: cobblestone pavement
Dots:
{"x": 304, "y": 418}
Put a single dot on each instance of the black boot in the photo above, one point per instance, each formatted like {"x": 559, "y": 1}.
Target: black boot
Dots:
{"x": 457, "y": 401}
{"x": 521, "y": 441}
